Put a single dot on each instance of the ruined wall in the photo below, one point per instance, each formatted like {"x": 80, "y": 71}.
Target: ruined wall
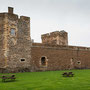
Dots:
{"x": 60, "y": 57}
{"x": 57, "y": 38}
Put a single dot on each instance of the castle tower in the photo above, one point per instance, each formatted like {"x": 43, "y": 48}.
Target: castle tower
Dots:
{"x": 15, "y": 41}
{"x": 55, "y": 38}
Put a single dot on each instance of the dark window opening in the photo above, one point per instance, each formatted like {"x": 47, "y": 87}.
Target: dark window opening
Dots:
{"x": 22, "y": 59}
{"x": 79, "y": 62}
{"x": 43, "y": 61}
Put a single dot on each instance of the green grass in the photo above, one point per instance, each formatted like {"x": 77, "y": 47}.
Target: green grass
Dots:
{"x": 50, "y": 80}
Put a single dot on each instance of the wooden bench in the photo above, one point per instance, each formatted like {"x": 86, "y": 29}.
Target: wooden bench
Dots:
{"x": 64, "y": 74}
{"x": 70, "y": 74}
{"x": 67, "y": 74}
{"x": 8, "y": 77}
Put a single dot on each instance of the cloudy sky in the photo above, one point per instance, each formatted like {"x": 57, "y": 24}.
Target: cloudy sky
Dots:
{"x": 46, "y": 16}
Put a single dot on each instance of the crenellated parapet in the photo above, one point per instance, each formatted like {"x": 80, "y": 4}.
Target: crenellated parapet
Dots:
{"x": 57, "y": 37}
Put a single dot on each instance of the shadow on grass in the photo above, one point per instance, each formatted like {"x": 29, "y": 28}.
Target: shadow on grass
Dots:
{"x": 9, "y": 81}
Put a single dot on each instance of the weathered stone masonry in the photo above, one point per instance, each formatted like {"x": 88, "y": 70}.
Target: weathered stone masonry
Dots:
{"x": 60, "y": 57}
{"x": 15, "y": 42}
{"x": 58, "y": 38}
{"x": 19, "y": 54}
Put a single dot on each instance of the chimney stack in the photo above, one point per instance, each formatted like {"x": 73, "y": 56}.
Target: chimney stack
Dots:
{"x": 10, "y": 10}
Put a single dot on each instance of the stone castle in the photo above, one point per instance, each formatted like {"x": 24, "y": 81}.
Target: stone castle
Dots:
{"x": 19, "y": 54}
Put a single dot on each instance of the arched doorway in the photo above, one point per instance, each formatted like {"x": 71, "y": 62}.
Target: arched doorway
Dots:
{"x": 43, "y": 61}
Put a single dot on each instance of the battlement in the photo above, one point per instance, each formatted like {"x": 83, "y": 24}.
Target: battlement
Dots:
{"x": 63, "y": 47}
{"x": 55, "y": 33}
{"x": 10, "y": 14}
{"x": 58, "y": 33}
{"x": 57, "y": 37}
{"x": 45, "y": 35}
{"x": 24, "y": 18}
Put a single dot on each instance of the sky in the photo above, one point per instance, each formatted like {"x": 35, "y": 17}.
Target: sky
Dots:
{"x": 73, "y": 16}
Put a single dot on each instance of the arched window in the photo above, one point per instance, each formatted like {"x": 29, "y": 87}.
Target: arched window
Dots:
{"x": 43, "y": 61}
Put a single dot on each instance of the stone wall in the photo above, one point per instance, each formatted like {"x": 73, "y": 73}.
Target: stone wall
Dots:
{"x": 16, "y": 43}
{"x": 60, "y": 57}
{"x": 57, "y": 38}
{"x": 2, "y": 58}
{"x": 19, "y": 54}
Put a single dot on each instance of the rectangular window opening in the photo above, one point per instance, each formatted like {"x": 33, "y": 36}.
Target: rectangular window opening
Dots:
{"x": 12, "y": 31}
{"x": 22, "y": 60}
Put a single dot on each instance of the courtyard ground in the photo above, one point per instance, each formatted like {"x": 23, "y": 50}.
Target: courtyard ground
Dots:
{"x": 49, "y": 80}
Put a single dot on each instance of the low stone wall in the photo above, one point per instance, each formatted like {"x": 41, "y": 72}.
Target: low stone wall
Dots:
{"x": 60, "y": 57}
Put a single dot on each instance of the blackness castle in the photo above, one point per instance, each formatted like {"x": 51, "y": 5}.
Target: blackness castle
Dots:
{"x": 19, "y": 54}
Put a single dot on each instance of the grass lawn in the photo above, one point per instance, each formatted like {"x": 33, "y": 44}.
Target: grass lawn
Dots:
{"x": 50, "y": 80}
